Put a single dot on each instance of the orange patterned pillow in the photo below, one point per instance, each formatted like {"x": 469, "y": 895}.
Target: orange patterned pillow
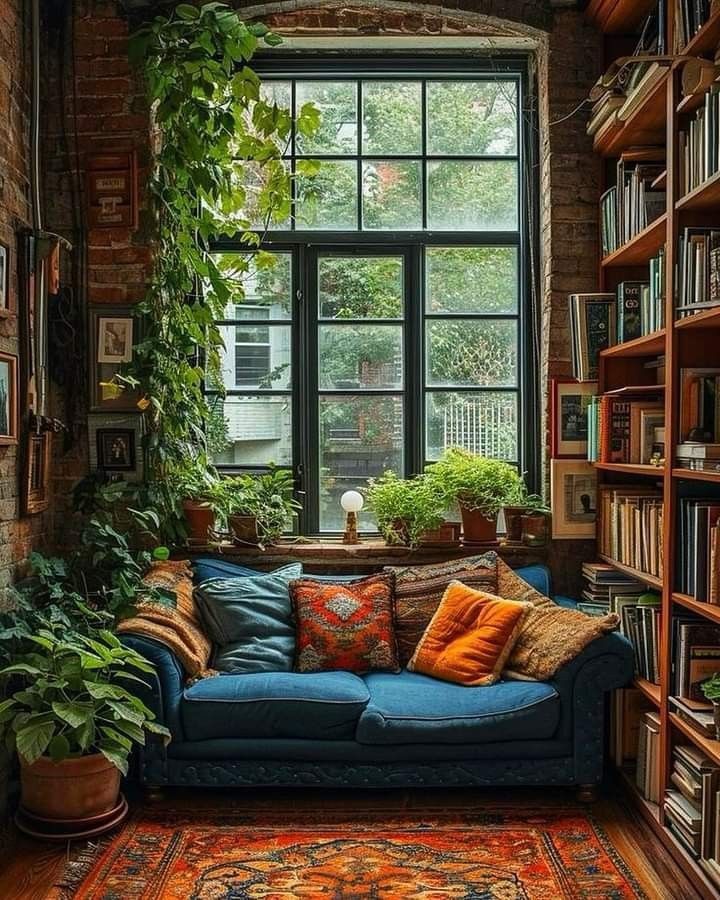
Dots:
{"x": 344, "y": 626}
{"x": 470, "y": 636}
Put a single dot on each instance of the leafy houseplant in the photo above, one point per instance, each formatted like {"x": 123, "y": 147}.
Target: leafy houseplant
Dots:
{"x": 481, "y": 486}
{"x": 72, "y": 721}
{"x": 409, "y": 511}
{"x": 258, "y": 507}
{"x": 711, "y": 690}
{"x": 197, "y": 487}
{"x": 535, "y": 522}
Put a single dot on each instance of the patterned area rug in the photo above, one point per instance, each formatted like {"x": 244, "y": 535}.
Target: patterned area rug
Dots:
{"x": 216, "y": 855}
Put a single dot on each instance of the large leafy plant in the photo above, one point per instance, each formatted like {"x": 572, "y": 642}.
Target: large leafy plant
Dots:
{"x": 268, "y": 497}
{"x": 405, "y": 509}
{"x": 477, "y": 483}
{"x": 68, "y": 698}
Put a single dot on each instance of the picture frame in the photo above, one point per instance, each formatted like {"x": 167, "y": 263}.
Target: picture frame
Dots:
{"x": 649, "y": 421}
{"x": 570, "y": 400}
{"x": 115, "y": 339}
{"x": 103, "y": 397}
{"x": 8, "y": 398}
{"x": 573, "y": 488}
{"x": 6, "y": 304}
{"x": 36, "y": 481}
{"x": 116, "y": 449}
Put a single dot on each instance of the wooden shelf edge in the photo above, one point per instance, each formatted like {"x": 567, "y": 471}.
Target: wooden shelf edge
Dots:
{"x": 706, "y": 318}
{"x": 707, "y": 610}
{"x": 647, "y": 345}
{"x": 708, "y": 746}
{"x": 639, "y": 249}
{"x": 644, "y": 577}
{"x": 697, "y": 475}
{"x": 702, "y": 196}
{"x": 644, "y": 471}
{"x": 706, "y": 38}
{"x": 649, "y": 689}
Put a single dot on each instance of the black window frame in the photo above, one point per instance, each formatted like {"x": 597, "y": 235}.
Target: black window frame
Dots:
{"x": 304, "y": 245}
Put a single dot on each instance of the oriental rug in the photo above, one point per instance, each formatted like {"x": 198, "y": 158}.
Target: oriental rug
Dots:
{"x": 221, "y": 855}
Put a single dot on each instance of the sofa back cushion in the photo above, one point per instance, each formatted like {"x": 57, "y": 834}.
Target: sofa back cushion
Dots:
{"x": 249, "y": 619}
{"x": 419, "y": 590}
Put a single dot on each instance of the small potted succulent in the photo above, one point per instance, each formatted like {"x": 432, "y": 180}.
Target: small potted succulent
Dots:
{"x": 480, "y": 486}
{"x": 711, "y": 690}
{"x": 411, "y": 512}
{"x": 73, "y": 721}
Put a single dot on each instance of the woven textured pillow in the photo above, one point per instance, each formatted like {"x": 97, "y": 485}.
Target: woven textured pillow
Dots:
{"x": 178, "y": 627}
{"x": 345, "y": 626}
{"x": 550, "y": 635}
{"x": 470, "y": 637}
{"x": 419, "y": 590}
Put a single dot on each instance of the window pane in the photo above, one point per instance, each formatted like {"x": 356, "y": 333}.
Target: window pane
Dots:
{"x": 471, "y": 280}
{"x": 472, "y": 196}
{"x": 392, "y": 117}
{"x": 471, "y": 118}
{"x": 353, "y": 357}
{"x": 360, "y": 287}
{"x": 482, "y": 423}
{"x": 250, "y": 430}
{"x": 261, "y": 281}
{"x": 360, "y": 437}
{"x": 328, "y": 201}
{"x": 337, "y": 103}
{"x": 264, "y": 193}
{"x": 471, "y": 352}
{"x": 392, "y": 195}
{"x": 256, "y": 357}
{"x": 278, "y": 93}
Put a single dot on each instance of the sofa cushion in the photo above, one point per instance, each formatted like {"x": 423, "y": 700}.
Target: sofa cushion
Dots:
{"x": 322, "y": 706}
{"x": 414, "y": 709}
{"x": 250, "y": 620}
{"x": 205, "y": 567}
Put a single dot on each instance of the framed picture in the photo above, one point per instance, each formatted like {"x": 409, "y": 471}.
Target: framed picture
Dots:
{"x": 115, "y": 339}
{"x": 116, "y": 449}
{"x": 104, "y": 395}
{"x": 8, "y": 398}
{"x": 5, "y": 304}
{"x": 573, "y": 485}
{"x": 651, "y": 423}
{"x": 36, "y": 482}
{"x": 569, "y": 418}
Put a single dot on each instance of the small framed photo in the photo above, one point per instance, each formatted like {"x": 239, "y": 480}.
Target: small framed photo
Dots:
{"x": 105, "y": 394}
{"x": 573, "y": 485}
{"x": 8, "y": 399}
{"x": 116, "y": 449}
{"x": 569, "y": 418}
{"x": 115, "y": 339}
{"x": 5, "y": 304}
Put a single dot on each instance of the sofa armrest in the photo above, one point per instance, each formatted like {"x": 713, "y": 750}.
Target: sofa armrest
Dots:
{"x": 164, "y": 688}
{"x": 566, "y": 602}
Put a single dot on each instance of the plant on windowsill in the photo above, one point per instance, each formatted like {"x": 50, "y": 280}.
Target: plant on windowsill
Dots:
{"x": 522, "y": 511}
{"x": 72, "y": 720}
{"x": 711, "y": 690}
{"x": 257, "y": 507}
{"x": 480, "y": 486}
{"x": 198, "y": 487}
{"x": 411, "y": 512}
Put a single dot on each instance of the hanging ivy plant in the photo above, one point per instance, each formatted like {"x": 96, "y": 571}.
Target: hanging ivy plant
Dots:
{"x": 218, "y": 172}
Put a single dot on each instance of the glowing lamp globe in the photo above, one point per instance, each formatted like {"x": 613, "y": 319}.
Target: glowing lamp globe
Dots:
{"x": 352, "y": 502}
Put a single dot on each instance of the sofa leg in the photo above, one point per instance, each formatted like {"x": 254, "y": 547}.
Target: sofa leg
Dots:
{"x": 586, "y": 793}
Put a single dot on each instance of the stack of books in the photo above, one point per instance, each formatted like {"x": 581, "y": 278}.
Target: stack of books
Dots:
{"x": 698, "y": 145}
{"x": 690, "y": 16}
{"x": 691, "y": 804}
{"x": 695, "y": 657}
{"x": 700, "y": 406}
{"x": 633, "y": 202}
{"x": 698, "y": 270}
{"x": 699, "y": 549}
{"x": 701, "y": 457}
{"x": 623, "y": 429}
{"x": 631, "y": 532}
{"x": 628, "y": 706}
{"x": 639, "y": 612}
{"x": 647, "y": 772}
{"x": 603, "y": 584}
{"x": 592, "y": 329}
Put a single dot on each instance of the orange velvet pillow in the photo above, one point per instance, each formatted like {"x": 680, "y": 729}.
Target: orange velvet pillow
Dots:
{"x": 470, "y": 636}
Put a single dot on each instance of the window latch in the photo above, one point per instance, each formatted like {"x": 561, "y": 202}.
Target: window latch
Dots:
{"x": 299, "y": 295}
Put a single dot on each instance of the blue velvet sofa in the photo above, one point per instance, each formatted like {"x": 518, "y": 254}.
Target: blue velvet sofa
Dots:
{"x": 383, "y": 730}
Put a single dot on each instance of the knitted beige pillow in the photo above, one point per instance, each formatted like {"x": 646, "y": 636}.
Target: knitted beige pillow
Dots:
{"x": 550, "y": 635}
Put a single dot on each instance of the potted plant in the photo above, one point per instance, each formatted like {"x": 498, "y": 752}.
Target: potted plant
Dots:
{"x": 411, "y": 511}
{"x": 73, "y": 722}
{"x": 535, "y": 522}
{"x": 237, "y": 500}
{"x": 481, "y": 486}
{"x": 711, "y": 690}
{"x": 196, "y": 487}
{"x": 513, "y": 510}
{"x": 274, "y": 503}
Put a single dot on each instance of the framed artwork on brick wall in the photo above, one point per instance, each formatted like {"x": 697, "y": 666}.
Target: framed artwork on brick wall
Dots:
{"x": 36, "y": 486}
{"x": 8, "y": 398}
{"x": 115, "y": 445}
{"x": 573, "y": 486}
{"x": 104, "y": 396}
{"x": 6, "y": 304}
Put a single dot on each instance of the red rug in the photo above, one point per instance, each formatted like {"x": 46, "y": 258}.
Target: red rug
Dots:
{"x": 227, "y": 856}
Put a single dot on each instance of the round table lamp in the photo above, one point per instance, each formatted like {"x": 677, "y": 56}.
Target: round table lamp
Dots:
{"x": 352, "y": 502}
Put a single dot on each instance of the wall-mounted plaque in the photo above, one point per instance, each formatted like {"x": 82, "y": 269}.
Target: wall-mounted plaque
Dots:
{"x": 112, "y": 190}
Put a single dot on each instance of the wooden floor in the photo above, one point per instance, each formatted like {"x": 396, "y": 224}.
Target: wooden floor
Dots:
{"x": 29, "y": 869}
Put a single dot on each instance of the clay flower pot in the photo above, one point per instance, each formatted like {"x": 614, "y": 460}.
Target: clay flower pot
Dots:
{"x": 513, "y": 522}
{"x": 244, "y": 529}
{"x": 200, "y": 517}
{"x": 477, "y": 527}
{"x": 75, "y": 788}
{"x": 447, "y": 533}
{"x": 535, "y": 530}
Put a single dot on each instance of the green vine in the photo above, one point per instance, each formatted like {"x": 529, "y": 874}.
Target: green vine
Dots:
{"x": 218, "y": 133}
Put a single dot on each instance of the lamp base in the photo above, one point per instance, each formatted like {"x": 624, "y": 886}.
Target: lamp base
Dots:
{"x": 350, "y": 535}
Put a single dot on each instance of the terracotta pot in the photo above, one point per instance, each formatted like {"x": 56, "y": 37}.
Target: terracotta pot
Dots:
{"x": 534, "y": 530}
{"x": 477, "y": 527}
{"x": 513, "y": 522}
{"x": 200, "y": 519}
{"x": 244, "y": 529}
{"x": 447, "y": 533}
{"x": 72, "y": 789}
{"x": 400, "y": 536}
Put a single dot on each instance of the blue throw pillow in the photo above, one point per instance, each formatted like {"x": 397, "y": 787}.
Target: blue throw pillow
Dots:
{"x": 205, "y": 567}
{"x": 249, "y": 619}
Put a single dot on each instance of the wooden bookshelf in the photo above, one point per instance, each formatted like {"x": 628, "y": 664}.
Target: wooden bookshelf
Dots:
{"x": 687, "y": 342}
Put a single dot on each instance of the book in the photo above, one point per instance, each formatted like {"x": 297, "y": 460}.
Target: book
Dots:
{"x": 630, "y": 309}
{"x": 592, "y": 329}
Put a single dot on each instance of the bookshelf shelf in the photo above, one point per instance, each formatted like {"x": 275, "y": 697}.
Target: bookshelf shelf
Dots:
{"x": 651, "y": 580}
{"x": 708, "y": 610}
{"x": 650, "y": 690}
{"x": 708, "y": 746}
{"x": 707, "y": 318}
{"x": 704, "y": 196}
{"x": 706, "y": 40}
{"x": 644, "y": 127}
{"x": 657, "y": 472}
{"x": 618, "y": 16}
{"x": 638, "y": 250}
{"x": 647, "y": 345}
{"x": 695, "y": 475}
